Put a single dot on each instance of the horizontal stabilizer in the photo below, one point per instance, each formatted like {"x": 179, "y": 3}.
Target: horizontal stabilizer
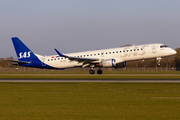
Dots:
{"x": 16, "y": 61}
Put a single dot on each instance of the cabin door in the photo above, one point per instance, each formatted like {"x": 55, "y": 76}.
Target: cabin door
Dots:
{"x": 42, "y": 62}
{"x": 153, "y": 49}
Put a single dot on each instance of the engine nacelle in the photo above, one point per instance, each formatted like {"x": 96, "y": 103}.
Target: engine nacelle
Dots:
{"x": 121, "y": 65}
{"x": 108, "y": 63}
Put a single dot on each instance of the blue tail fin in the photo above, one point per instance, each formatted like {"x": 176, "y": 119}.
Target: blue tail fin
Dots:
{"x": 22, "y": 51}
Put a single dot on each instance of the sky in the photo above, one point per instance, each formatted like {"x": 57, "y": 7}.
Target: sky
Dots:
{"x": 83, "y": 25}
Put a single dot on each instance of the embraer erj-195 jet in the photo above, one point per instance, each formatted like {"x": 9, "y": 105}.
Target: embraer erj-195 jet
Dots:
{"x": 115, "y": 57}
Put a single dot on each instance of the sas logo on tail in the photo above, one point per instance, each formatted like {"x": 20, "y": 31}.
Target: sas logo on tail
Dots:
{"x": 25, "y": 55}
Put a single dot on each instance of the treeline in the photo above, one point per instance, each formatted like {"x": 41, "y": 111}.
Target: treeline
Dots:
{"x": 166, "y": 62}
{"x": 4, "y": 63}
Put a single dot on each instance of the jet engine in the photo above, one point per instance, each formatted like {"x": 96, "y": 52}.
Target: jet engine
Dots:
{"x": 121, "y": 65}
{"x": 108, "y": 63}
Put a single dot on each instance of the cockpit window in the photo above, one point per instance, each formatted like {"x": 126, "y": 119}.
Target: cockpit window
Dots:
{"x": 163, "y": 46}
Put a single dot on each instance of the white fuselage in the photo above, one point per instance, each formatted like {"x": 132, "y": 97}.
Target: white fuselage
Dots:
{"x": 120, "y": 54}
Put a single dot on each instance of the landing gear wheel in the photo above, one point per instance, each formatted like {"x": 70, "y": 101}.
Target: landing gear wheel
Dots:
{"x": 158, "y": 65}
{"x": 99, "y": 72}
{"x": 159, "y": 61}
{"x": 91, "y": 71}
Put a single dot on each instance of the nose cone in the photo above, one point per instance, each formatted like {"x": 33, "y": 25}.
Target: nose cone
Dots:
{"x": 173, "y": 51}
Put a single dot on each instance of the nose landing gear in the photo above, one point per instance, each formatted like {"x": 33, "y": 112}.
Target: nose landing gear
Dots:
{"x": 158, "y": 61}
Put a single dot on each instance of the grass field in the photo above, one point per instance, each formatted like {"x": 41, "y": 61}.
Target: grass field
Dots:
{"x": 91, "y": 77}
{"x": 87, "y": 72}
{"x": 85, "y": 101}
{"x": 85, "y": 75}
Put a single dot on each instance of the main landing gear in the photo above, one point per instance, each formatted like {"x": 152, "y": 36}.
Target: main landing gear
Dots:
{"x": 91, "y": 71}
{"x": 99, "y": 72}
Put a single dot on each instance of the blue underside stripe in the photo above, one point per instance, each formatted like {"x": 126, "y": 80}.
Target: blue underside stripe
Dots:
{"x": 38, "y": 64}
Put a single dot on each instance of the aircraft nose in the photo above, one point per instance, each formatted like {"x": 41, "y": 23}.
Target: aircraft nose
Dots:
{"x": 173, "y": 51}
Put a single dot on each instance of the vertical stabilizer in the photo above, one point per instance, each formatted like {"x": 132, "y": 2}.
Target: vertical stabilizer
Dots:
{"x": 22, "y": 51}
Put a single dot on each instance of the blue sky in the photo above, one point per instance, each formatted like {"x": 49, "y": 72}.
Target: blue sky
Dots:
{"x": 81, "y": 25}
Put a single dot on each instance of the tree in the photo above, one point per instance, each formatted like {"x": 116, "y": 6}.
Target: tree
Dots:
{"x": 126, "y": 45}
{"x": 4, "y": 63}
{"x": 177, "y": 58}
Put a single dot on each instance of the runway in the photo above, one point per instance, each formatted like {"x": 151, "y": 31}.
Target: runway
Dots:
{"x": 90, "y": 75}
{"x": 91, "y": 81}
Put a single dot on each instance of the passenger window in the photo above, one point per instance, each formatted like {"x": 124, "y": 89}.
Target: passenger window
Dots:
{"x": 109, "y": 52}
{"x": 116, "y": 51}
{"x": 48, "y": 59}
{"x": 106, "y": 53}
{"x": 98, "y": 54}
{"x": 127, "y": 50}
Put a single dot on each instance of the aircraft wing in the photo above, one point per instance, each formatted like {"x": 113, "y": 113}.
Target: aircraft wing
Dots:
{"x": 78, "y": 59}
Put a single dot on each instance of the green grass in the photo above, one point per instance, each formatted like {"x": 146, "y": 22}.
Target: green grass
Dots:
{"x": 85, "y": 77}
{"x": 85, "y": 101}
{"x": 87, "y": 72}
{"x": 58, "y": 75}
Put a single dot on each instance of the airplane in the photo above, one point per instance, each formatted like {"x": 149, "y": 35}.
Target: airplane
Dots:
{"x": 114, "y": 57}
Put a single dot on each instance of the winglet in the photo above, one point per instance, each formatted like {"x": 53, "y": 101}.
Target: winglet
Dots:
{"x": 61, "y": 55}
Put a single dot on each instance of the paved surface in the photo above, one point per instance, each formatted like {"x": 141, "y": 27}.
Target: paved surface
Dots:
{"x": 101, "y": 81}
{"x": 91, "y": 75}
